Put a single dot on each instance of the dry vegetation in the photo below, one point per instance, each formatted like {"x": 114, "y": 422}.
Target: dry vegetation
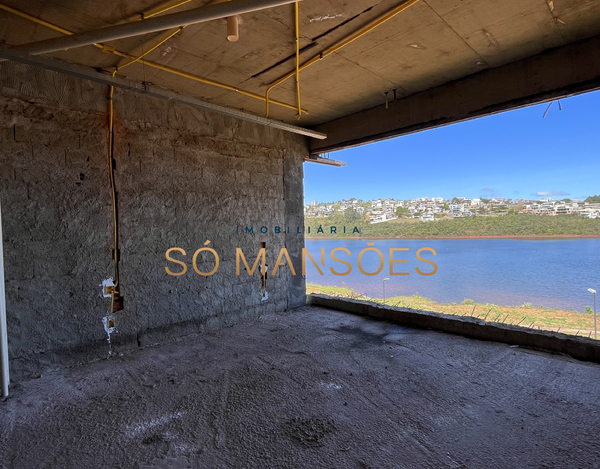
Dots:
{"x": 568, "y": 322}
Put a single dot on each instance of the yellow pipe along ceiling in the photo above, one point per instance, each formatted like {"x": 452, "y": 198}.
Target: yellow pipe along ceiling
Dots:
{"x": 334, "y": 48}
{"x": 164, "y": 68}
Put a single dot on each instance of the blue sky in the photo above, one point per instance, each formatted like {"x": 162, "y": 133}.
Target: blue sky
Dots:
{"x": 516, "y": 154}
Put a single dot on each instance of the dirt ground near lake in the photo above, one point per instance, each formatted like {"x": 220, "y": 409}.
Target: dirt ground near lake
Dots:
{"x": 311, "y": 388}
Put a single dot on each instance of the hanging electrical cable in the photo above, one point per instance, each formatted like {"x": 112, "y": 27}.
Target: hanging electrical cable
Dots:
{"x": 116, "y": 300}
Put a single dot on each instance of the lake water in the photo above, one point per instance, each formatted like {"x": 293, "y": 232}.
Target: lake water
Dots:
{"x": 555, "y": 273}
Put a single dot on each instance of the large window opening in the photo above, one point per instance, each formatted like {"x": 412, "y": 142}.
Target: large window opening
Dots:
{"x": 510, "y": 203}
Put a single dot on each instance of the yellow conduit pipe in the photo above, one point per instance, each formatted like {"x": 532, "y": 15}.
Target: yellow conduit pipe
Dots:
{"x": 111, "y": 157}
{"x": 111, "y": 169}
{"x": 111, "y": 154}
{"x": 296, "y": 14}
{"x": 353, "y": 37}
{"x": 36, "y": 20}
{"x": 169, "y": 35}
{"x": 164, "y": 68}
{"x": 216, "y": 83}
{"x": 163, "y": 9}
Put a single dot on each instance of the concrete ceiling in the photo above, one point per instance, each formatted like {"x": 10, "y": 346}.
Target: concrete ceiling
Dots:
{"x": 432, "y": 43}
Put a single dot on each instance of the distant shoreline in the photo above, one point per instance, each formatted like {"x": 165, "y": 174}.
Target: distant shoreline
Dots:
{"x": 460, "y": 237}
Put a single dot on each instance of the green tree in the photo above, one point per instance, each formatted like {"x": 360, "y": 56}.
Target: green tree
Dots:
{"x": 402, "y": 212}
{"x": 351, "y": 216}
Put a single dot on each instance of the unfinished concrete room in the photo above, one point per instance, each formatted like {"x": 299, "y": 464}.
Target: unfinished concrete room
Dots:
{"x": 164, "y": 299}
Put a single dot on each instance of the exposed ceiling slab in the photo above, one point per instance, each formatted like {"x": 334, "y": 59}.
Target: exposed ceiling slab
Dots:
{"x": 553, "y": 74}
{"x": 431, "y": 44}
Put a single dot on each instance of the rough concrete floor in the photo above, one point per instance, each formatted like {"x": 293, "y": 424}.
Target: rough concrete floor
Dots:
{"x": 309, "y": 389}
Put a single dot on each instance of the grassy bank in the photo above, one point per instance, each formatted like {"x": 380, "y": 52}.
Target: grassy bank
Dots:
{"x": 507, "y": 225}
{"x": 568, "y": 322}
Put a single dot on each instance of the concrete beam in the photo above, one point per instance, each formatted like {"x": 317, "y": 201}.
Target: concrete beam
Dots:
{"x": 580, "y": 348}
{"x": 557, "y": 73}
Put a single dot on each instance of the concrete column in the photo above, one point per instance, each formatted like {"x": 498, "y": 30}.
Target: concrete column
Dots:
{"x": 293, "y": 187}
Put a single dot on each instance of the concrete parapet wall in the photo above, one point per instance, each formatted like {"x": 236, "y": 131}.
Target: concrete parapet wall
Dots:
{"x": 577, "y": 347}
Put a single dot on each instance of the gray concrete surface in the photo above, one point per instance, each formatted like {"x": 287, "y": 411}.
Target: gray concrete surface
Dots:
{"x": 432, "y": 43}
{"x": 581, "y": 348}
{"x": 308, "y": 389}
{"x": 183, "y": 177}
{"x": 558, "y": 73}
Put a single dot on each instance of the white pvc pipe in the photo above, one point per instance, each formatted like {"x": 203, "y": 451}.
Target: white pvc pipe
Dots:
{"x": 3, "y": 333}
{"x": 88, "y": 73}
{"x": 151, "y": 25}
{"x": 233, "y": 29}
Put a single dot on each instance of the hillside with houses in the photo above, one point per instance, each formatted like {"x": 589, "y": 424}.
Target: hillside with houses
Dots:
{"x": 433, "y": 209}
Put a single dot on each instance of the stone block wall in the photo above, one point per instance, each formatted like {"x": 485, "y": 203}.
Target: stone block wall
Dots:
{"x": 183, "y": 177}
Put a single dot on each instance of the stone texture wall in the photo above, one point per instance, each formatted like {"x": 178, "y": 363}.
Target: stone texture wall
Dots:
{"x": 183, "y": 177}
